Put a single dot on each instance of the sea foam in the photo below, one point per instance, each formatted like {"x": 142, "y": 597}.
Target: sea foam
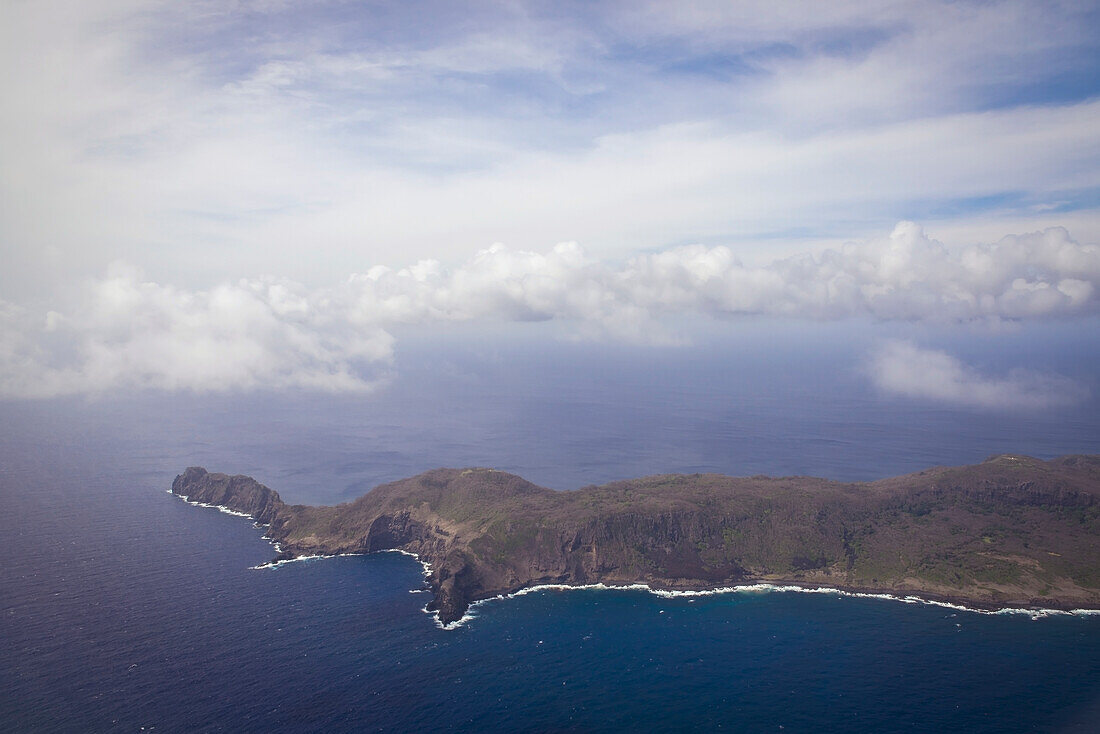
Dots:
{"x": 765, "y": 588}
{"x": 219, "y": 508}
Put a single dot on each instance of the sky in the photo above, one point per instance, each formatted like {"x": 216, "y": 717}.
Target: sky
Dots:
{"x": 213, "y": 196}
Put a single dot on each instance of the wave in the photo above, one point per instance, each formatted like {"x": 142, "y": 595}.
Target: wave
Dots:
{"x": 469, "y": 616}
{"x": 283, "y": 562}
{"x": 219, "y": 508}
{"x": 314, "y": 557}
{"x": 765, "y": 588}
{"x": 425, "y": 567}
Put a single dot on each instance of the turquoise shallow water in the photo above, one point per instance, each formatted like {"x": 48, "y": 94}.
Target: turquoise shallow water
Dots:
{"x": 123, "y": 607}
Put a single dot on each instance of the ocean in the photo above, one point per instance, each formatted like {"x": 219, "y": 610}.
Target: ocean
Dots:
{"x": 126, "y": 609}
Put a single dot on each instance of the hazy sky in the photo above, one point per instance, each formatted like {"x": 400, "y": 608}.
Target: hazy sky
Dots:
{"x": 220, "y": 195}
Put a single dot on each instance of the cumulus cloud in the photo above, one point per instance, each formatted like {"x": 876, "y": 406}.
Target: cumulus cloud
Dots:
{"x": 139, "y": 335}
{"x": 902, "y": 368}
{"x": 276, "y": 333}
{"x": 906, "y": 275}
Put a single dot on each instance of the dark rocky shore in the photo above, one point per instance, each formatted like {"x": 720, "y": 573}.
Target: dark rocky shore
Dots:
{"x": 1012, "y": 531}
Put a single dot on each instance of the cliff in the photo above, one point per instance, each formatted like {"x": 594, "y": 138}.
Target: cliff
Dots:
{"x": 1011, "y": 531}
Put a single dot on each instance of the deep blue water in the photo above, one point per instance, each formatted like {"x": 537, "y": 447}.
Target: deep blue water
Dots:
{"x": 121, "y": 607}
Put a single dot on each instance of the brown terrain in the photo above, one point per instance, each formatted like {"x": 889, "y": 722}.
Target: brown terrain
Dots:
{"x": 1012, "y": 531}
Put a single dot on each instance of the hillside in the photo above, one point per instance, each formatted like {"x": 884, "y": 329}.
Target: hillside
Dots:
{"x": 1011, "y": 531}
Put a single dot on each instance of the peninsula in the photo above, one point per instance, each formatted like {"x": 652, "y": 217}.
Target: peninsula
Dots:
{"x": 1012, "y": 531}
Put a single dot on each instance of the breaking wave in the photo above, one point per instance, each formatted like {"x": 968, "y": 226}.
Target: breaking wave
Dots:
{"x": 765, "y": 588}
{"x": 219, "y": 508}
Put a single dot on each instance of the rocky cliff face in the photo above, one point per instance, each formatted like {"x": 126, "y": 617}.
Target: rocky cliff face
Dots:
{"x": 238, "y": 493}
{"x": 1011, "y": 531}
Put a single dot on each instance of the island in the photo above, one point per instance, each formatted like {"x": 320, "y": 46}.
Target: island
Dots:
{"x": 1011, "y": 532}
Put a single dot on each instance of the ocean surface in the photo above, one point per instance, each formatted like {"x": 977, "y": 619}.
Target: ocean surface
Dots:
{"x": 125, "y": 609}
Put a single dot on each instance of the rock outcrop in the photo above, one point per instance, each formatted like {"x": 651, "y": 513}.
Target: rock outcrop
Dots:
{"x": 238, "y": 493}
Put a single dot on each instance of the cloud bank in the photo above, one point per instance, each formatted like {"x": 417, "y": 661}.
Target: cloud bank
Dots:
{"x": 906, "y": 275}
{"x": 902, "y": 368}
{"x": 138, "y": 335}
{"x": 274, "y": 333}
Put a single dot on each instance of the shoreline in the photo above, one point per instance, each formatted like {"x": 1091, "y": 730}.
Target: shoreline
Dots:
{"x": 1035, "y": 613}
{"x": 756, "y": 587}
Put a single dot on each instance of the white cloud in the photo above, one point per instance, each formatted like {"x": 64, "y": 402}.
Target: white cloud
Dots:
{"x": 254, "y": 334}
{"x": 276, "y": 333}
{"x": 904, "y": 276}
{"x": 205, "y": 140}
{"x": 902, "y": 368}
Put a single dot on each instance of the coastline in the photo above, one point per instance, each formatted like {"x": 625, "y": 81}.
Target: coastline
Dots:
{"x": 772, "y": 586}
{"x": 763, "y": 587}
{"x": 658, "y": 534}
